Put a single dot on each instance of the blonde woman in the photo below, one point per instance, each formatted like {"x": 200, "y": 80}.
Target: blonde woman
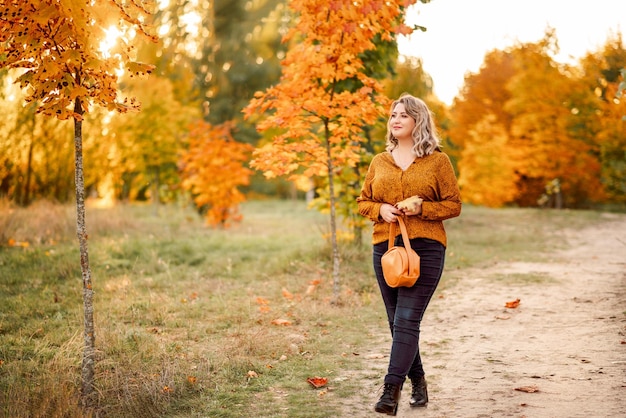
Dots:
{"x": 412, "y": 166}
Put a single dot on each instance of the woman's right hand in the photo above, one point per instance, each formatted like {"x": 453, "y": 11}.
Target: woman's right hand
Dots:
{"x": 389, "y": 213}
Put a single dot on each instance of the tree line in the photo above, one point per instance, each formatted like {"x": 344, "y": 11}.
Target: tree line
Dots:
{"x": 529, "y": 131}
{"x": 525, "y": 130}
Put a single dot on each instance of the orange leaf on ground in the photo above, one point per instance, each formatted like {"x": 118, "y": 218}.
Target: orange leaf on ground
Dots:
{"x": 528, "y": 389}
{"x": 287, "y": 294}
{"x": 312, "y": 286}
{"x": 512, "y": 304}
{"x": 264, "y": 305}
{"x": 281, "y": 322}
{"x": 317, "y": 382}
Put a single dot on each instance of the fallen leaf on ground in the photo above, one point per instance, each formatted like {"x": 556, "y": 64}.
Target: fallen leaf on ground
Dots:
{"x": 503, "y": 317}
{"x": 375, "y": 356}
{"x": 512, "y": 304}
{"x": 281, "y": 322}
{"x": 317, "y": 382}
{"x": 312, "y": 286}
{"x": 528, "y": 389}
{"x": 287, "y": 294}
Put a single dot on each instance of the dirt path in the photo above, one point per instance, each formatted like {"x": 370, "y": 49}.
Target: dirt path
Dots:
{"x": 565, "y": 344}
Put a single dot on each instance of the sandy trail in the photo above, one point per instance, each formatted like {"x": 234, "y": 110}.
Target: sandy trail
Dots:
{"x": 564, "y": 346}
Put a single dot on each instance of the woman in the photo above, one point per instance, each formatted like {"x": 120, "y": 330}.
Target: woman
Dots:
{"x": 412, "y": 165}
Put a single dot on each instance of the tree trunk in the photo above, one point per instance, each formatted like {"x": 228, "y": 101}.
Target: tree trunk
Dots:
{"x": 358, "y": 235}
{"x": 333, "y": 216}
{"x": 31, "y": 111}
{"x": 88, "y": 366}
{"x": 29, "y": 170}
{"x": 155, "y": 190}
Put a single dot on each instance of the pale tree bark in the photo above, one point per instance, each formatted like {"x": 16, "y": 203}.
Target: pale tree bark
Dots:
{"x": 333, "y": 214}
{"x": 89, "y": 337}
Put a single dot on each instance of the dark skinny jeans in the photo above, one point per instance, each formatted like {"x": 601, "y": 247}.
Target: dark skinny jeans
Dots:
{"x": 406, "y": 305}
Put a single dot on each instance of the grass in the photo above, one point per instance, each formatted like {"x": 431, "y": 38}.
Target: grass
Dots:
{"x": 195, "y": 322}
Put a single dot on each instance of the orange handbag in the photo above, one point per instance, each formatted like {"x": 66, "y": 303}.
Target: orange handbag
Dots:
{"x": 401, "y": 265}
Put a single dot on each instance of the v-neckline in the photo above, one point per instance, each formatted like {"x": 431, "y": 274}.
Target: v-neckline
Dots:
{"x": 401, "y": 167}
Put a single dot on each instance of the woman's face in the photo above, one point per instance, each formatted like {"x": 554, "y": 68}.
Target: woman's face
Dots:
{"x": 400, "y": 123}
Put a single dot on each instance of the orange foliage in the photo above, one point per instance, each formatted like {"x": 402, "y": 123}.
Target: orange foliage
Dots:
{"x": 318, "y": 122}
{"x": 541, "y": 104}
{"x": 612, "y": 143}
{"x": 488, "y": 176}
{"x": 57, "y": 43}
{"x": 525, "y": 122}
{"x": 484, "y": 93}
{"x": 213, "y": 169}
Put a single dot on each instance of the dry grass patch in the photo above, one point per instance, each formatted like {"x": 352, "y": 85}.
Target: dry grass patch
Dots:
{"x": 195, "y": 322}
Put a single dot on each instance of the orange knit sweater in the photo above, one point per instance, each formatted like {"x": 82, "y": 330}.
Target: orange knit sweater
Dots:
{"x": 431, "y": 177}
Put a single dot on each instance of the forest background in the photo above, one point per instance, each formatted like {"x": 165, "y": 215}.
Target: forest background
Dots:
{"x": 524, "y": 131}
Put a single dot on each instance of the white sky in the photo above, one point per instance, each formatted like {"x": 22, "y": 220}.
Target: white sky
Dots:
{"x": 460, "y": 32}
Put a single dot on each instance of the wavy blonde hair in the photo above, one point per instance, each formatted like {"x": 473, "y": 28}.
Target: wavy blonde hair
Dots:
{"x": 425, "y": 137}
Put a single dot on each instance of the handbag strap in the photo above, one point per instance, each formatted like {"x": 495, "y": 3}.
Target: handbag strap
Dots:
{"x": 405, "y": 238}
{"x": 403, "y": 231}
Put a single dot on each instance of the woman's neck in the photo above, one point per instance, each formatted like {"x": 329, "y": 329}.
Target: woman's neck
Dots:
{"x": 405, "y": 146}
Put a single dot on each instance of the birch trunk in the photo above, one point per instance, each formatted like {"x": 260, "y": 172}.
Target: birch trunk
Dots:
{"x": 89, "y": 336}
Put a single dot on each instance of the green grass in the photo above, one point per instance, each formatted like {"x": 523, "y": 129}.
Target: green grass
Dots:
{"x": 184, "y": 314}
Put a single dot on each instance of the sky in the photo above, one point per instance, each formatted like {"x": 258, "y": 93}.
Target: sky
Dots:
{"x": 460, "y": 32}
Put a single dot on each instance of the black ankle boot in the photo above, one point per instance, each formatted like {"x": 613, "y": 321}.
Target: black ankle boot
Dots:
{"x": 388, "y": 402}
{"x": 419, "y": 392}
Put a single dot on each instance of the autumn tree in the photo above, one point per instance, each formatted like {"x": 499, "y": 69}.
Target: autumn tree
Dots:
{"x": 488, "y": 177}
{"x": 601, "y": 117}
{"x": 539, "y": 119}
{"x": 144, "y": 150}
{"x": 483, "y": 93}
{"x": 55, "y": 47}
{"x": 542, "y": 106}
{"x": 318, "y": 121}
{"x": 379, "y": 63}
{"x": 213, "y": 169}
